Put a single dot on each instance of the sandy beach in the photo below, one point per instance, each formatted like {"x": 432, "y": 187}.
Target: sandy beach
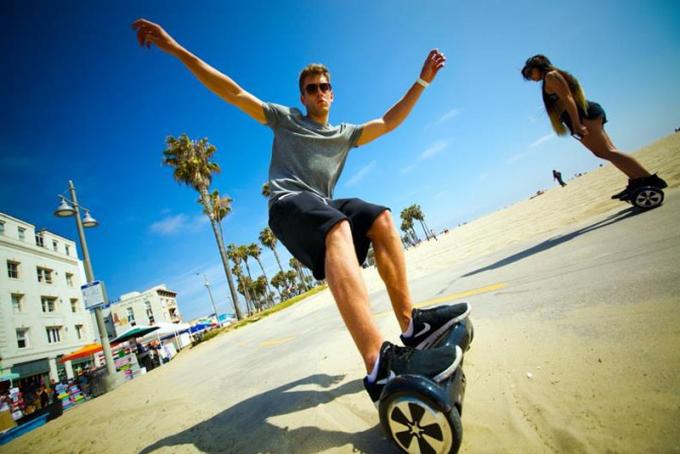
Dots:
{"x": 581, "y": 374}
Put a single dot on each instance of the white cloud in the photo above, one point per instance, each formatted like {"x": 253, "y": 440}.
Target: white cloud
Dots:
{"x": 444, "y": 118}
{"x": 178, "y": 223}
{"x": 517, "y": 156}
{"x": 434, "y": 150}
{"x": 360, "y": 174}
{"x": 448, "y": 115}
{"x": 542, "y": 140}
{"x": 407, "y": 169}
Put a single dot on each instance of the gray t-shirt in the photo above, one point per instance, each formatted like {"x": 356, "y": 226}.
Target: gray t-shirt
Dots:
{"x": 306, "y": 156}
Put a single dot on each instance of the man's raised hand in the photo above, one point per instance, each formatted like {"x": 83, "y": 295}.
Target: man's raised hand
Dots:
{"x": 149, "y": 33}
{"x": 433, "y": 63}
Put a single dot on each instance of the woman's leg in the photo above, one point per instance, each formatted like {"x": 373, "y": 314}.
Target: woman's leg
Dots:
{"x": 599, "y": 143}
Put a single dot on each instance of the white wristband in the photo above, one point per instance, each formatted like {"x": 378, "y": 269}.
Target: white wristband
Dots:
{"x": 422, "y": 83}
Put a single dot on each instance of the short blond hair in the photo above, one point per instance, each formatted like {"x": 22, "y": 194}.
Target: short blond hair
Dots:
{"x": 313, "y": 70}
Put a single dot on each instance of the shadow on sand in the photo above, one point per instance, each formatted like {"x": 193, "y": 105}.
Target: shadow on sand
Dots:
{"x": 552, "y": 242}
{"x": 245, "y": 427}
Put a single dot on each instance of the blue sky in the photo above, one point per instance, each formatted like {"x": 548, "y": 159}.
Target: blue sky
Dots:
{"x": 81, "y": 100}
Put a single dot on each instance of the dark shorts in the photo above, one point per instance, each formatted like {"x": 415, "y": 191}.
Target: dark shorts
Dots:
{"x": 594, "y": 111}
{"x": 301, "y": 222}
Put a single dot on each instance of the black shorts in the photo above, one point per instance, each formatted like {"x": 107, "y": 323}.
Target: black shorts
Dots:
{"x": 301, "y": 222}
{"x": 594, "y": 111}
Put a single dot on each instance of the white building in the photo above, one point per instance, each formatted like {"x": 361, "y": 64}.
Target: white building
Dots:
{"x": 157, "y": 304}
{"x": 42, "y": 314}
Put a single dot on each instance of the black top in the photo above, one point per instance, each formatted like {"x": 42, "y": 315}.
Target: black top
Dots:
{"x": 551, "y": 97}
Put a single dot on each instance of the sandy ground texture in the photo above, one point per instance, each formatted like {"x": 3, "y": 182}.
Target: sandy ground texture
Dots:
{"x": 583, "y": 375}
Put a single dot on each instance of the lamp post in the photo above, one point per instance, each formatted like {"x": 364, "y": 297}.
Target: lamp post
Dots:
{"x": 71, "y": 208}
{"x": 212, "y": 300}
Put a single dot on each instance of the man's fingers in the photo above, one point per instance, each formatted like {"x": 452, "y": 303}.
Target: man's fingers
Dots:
{"x": 141, "y": 23}
{"x": 142, "y": 37}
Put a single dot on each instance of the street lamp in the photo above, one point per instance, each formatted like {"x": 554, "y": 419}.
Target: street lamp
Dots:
{"x": 71, "y": 208}
{"x": 212, "y": 300}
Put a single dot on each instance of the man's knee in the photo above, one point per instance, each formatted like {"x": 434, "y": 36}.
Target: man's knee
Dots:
{"x": 339, "y": 232}
{"x": 382, "y": 225}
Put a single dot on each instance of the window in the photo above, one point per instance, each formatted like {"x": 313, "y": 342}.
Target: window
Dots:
{"x": 48, "y": 303}
{"x": 22, "y": 233}
{"x": 53, "y": 334}
{"x": 39, "y": 240}
{"x": 12, "y": 269}
{"x": 149, "y": 312}
{"x": 68, "y": 249}
{"x": 74, "y": 305}
{"x": 44, "y": 275}
{"x": 131, "y": 316}
{"x": 79, "y": 331}
{"x": 2, "y": 228}
{"x": 17, "y": 303}
{"x": 69, "y": 279}
{"x": 22, "y": 337}
{"x": 55, "y": 245}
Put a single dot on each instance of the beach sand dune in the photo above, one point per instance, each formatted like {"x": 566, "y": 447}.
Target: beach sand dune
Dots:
{"x": 583, "y": 375}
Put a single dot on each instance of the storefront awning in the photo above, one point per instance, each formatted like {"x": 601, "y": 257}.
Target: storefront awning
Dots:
{"x": 31, "y": 368}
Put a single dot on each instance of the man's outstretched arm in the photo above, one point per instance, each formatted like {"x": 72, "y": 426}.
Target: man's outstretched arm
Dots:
{"x": 398, "y": 113}
{"x": 222, "y": 85}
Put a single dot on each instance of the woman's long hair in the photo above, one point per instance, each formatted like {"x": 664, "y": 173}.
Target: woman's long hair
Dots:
{"x": 543, "y": 64}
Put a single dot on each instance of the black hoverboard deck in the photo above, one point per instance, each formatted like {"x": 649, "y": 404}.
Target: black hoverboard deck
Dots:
{"x": 422, "y": 416}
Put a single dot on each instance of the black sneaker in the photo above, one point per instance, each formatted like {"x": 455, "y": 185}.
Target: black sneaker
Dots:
{"x": 431, "y": 324}
{"x": 652, "y": 180}
{"x": 625, "y": 193}
{"x": 437, "y": 364}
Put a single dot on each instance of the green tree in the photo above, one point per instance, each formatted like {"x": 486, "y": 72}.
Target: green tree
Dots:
{"x": 292, "y": 281}
{"x": 418, "y": 215}
{"x": 261, "y": 290}
{"x": 279, "y": 282}
{"x": 297, "y": 266}
{"x": 192, "y": 165}
{"x": 268, "y": 240}
{"x": 234, "y": 253}
{"x": 266, "y": 190}
{"x": 254, "y": 251}
{"x": 407, "y": 225}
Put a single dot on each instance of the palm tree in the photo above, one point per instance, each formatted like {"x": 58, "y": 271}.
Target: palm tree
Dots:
{"x": 291, "y": 280}
{"x": 407, "y": 225}
{"x": 234, "y": 254}
{"x": 254, "y": 251}
{"x": 244, "y": 287}
{"x": 221, "y": 207}
{"x": 418, "y": 215}
{"x": 297, "y": 266}
{"x": 266, "y": 190}
{"x": 268, "y": 239}
{"x": 278, "y": 281}
{"x": 191, "y": 161}
{"x": 261, "y": 290}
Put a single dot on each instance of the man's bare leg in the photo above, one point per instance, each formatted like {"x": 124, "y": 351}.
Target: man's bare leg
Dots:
{"x": 343, "y": 275}
{"x": 389, "y": 257}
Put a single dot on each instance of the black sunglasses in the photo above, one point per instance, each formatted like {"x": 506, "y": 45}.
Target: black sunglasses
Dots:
{"x": 311, "y": 89}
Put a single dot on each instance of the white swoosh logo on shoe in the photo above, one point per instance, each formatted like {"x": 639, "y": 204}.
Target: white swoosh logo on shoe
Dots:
{"x": 387, "y": 379}
{"x": 424, "y": 330}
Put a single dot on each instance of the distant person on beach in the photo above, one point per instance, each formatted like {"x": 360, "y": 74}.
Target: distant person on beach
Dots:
{"x": 330, "y": 236}
{"x": 558, "y": 176}
{"x": 568, "y": 109}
